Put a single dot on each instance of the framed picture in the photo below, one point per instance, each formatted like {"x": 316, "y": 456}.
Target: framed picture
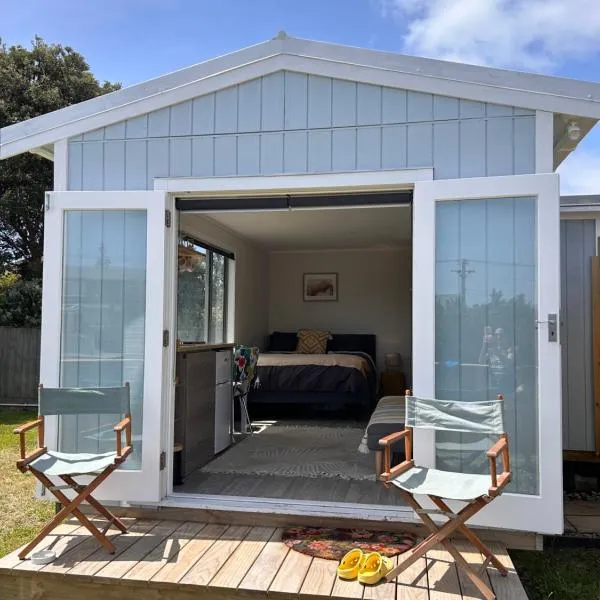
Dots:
{"x": 320, "y": 287}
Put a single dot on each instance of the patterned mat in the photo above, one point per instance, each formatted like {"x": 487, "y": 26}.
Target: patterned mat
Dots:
{"x": 334, "y": 543}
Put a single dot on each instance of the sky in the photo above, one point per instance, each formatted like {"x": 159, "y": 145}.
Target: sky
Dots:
{"x": 134, "y": 40}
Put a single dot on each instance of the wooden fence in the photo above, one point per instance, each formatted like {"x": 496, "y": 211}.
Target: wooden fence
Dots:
{"x": 19, "y": 365}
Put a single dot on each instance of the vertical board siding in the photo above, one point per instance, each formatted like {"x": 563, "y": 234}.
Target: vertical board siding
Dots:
{"x": 19, "y": 365}
{"x": 295, "y": 123}
{"x": 578, "y": 243}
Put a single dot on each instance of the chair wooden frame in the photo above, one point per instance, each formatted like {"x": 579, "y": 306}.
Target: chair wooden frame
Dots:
{"x": 84, "y": 492}
{"x": 440, "y": 534}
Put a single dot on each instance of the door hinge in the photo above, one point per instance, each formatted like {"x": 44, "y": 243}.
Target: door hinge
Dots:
{"x": 163, "y": 460}
{"x": 168, "y": 218}
{"x": 165, "y": 338}
{"x": 47, "y": 201}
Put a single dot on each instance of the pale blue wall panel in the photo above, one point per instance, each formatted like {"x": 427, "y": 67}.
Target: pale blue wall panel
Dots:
{"x": 419, "y": 145}
{"x": 343, "y": 103}
{"x": 137, "y": 127}
{"x": 180, "y": 157}
{"x": 158, "y": 160}
{"x": 115, "y": 131}
{"x": 393, "y": 106}
{"x": 225, "y": 155}
{"x": 472, "y": 148}
{"x": 249, "y": 106}
{"x": 114, "y": 165}
{"x": 368, "y": 148}
{"x": 158, "y": 123}
{"x": 273, "y": 102}
{"x": 393, "y": 147}
{"x": 296, "y": 100}
{"x": 93, "y": 167}
{"x": 248, "y": 154}
{"x": 445, "y": 108}
{"x": 499, "y": 139}
{"x": 295, "y": 151}
{"x": 343, "y": 149}
{"x": 368, "y": 104}
{"x": 203, "y": 156}
{"x": 93, "y": 136}
{"x": 203, "y": 115}
{"x": 319, "y": 151}
{"x": 523, "y": 111}
{"x": 419, "y": 107}
{"x": 75, "y": 165}
{"x": 498, "y": 110}
{"x": 524, "y": 147}
{"x": 181, "y": 119}
{"x": 319, "y": 102}
{"x": 271, "y": 153}
{"x": 226, "y": 110}
{"x": 471, "y": 110}
{"x": 135, "y": 165}
{"x": 446, "y": 150}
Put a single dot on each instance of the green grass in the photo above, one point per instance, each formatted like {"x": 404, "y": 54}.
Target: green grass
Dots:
{"x": 565, "y": 574}
{"x": 22, "y": 514}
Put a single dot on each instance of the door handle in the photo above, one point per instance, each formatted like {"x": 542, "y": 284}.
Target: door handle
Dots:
{"x": 552, "y": 326}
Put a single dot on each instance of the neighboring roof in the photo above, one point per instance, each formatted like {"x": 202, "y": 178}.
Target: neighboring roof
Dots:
{"x": 580, "y": 200}
{"x": 526, "y": 90}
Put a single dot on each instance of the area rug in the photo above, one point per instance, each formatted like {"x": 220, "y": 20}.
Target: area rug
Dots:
{"x": 334, "y": 543}
{"x": 298, "y": 451}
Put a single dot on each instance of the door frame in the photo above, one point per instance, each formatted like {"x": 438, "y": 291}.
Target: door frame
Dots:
{"x": 142, "y": 485}
{"x": 542, "y": 513}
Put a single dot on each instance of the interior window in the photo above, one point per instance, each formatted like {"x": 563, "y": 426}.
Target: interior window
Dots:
{"x": 201, "y": 293}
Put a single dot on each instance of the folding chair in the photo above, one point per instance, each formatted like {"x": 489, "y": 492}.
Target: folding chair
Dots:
{"x": 44, "y": 463}
{"x": 477, "y": 491}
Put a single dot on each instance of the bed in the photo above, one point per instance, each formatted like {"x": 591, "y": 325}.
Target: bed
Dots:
{"x": 345, "y": 375}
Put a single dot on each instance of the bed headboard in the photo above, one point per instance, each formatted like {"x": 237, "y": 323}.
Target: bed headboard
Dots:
{"x": 280, "y": 341}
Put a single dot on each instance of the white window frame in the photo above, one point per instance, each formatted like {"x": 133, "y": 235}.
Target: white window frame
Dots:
{"x": 542, "y": 513}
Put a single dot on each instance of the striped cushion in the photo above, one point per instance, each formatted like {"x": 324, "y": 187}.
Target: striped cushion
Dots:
{"x": 312, "y": 341}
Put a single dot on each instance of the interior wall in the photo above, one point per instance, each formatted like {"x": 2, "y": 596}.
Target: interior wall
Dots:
{"x": 374, "y": 296}
{"x": 251, "y": 306}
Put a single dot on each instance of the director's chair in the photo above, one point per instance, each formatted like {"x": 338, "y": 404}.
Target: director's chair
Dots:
{"x": 485, "y": 418}
{"x": 44, "y": 463}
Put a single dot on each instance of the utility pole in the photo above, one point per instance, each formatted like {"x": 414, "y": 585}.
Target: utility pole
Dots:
{"x": 463, "y": 273}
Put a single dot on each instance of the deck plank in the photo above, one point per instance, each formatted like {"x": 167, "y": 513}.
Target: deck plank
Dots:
{"x": 261, "y": 574}
{"x": 291, "y": 574}
{"x": 164, "y": 552}
{"x": 442, "y": 575}
{"x": 412, "y": 583}
{"x": 81, "y": 552}
{"x": 137, "y": 552}
{"x": 12, "y": 560}
{"x": 384, "y": 590}
{"x": 215, "y": 557}
{"x": 320, "y": 578}
{"x": 235, "y": 568}
{"x": 187, "y": 557}
{"x": 475, "y": 560}
{"x": 509, "y": 587}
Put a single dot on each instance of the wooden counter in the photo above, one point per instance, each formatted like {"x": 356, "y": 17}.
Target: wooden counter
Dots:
{"x": 203, "y": 347}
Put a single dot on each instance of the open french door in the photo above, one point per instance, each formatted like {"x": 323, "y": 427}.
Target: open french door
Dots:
{"x": 486, "y": 299}
{"x": 103, "y": 317}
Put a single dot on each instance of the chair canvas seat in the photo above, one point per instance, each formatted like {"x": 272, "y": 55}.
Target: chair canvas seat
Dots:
{"x": 62, "y": 463}
{"x": 444, "y": 484}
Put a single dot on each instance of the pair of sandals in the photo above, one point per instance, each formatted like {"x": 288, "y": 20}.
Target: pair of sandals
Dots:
{"x": 369, "y": 568}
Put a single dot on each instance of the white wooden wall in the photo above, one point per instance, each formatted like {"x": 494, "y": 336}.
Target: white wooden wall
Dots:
{"x": 293, "y": 123}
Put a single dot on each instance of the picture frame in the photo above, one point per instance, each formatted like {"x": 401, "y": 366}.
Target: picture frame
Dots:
{"x": 320, "y": 287}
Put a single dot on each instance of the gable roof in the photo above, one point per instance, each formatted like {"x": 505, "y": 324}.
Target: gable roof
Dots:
{"x": 525, "y": 90}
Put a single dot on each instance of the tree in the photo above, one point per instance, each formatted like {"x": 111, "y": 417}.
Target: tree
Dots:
{"x": 34, "y": 82}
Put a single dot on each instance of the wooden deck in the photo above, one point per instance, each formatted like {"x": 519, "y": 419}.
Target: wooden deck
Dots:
{"x": 175, "y": 560}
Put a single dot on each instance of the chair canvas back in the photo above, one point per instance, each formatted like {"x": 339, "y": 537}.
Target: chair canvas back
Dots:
{"x": 82, "y": 401}
{"x": 484, "y": 417}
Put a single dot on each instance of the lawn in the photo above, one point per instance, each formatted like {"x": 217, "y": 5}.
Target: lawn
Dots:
{"x": 564, "y": 574}
{"x": 22, "y": 515}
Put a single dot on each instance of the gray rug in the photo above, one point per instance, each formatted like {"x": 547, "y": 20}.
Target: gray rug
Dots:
{"x": 298, "y": 451}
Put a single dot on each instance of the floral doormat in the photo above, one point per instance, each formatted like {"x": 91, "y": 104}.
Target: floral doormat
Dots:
{"x": 334, "y": 543}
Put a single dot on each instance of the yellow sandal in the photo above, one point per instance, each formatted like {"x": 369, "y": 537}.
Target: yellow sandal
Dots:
{"x": 374, "y": 568}
{"x": 350, "y": 564}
